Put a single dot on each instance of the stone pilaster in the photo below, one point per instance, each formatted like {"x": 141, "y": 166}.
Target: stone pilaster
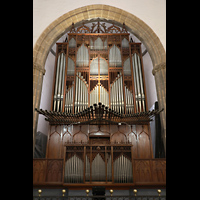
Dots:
{"x": 38, "y": 73}
{"x": 159, "y": 71}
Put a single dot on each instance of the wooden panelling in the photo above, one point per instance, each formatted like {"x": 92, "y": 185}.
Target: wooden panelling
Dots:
{"x": 80, "y": 137}
{"x": 144, "y": 144}
{"x": 132, "y": 137}
{"x": 142, "y": 170}
{"x": 159, "y": 170}
{"x": 39, "y": 170}
{"x": 54, "y": 170}
{"x": 118, "y": 137}
{"x": 148, "y": 172}
{"x": 54, "y": 142}
{"x": 138, "y": 135}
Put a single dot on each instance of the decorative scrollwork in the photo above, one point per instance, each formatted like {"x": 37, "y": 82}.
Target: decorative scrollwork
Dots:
{"x": 98, "y": 28}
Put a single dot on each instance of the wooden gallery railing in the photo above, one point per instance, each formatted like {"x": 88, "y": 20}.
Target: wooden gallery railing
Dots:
{"x": 93, "y": 164}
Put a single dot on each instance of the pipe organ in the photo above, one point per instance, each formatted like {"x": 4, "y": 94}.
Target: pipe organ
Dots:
{"x": 99, "y": 65}
{"x": 98, "y": 87}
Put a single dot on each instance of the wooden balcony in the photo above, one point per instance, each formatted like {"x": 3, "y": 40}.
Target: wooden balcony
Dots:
{"x": 147, "y": 173}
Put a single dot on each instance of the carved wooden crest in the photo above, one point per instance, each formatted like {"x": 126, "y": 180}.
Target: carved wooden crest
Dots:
{"x": 98, "y": 28}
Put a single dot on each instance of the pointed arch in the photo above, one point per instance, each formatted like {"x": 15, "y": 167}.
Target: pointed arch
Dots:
{"x": 63, "y": 24}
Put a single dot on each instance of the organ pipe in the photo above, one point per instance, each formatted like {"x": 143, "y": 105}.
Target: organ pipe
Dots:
{"x": 123, "y": 170}
{"x": 87, "y": 169}
{"x": 115, "y": 56}
{"x": 141, "y": 82}
{"x": 81, "y": 93}
{"x": 74, "y": 170}
{"x": 98, "y": 169}
{"x": 101, "y": 62}
{"x": 94, "y": 95}
{"x": 98, "y": 44}
{"x": 138, "y": 83}
{"x": 72, "y": 43}
{"x": 109, "y": 168}
{"x": 129, "y": 101}
{"x": 59, "y": 85}
{"x": 82, "y": 58}
{"x": 69, "y": 99}
{"x": 117, "y": 98}
{"x": 125, "y": 43}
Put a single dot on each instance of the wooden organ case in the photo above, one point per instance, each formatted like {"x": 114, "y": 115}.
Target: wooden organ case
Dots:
{"x": 99, "y": 132}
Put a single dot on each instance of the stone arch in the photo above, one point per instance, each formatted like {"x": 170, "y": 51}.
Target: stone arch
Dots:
{"x": 58, "y": 27}
{"x": 135, "y": 25}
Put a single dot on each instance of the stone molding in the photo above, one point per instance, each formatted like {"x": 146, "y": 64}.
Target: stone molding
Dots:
{"x": 158, "y": 68}
{"x": 39, "y": 68}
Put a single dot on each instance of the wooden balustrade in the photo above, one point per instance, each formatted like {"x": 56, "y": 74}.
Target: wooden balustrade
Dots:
{"x": 147, "y": 172}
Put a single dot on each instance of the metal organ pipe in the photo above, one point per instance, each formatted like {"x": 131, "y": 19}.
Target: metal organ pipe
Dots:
{"x": 135, "y": 83}
{"x": 141, "y": 83}
{"x": 76, "y": 96}
{"x": 98, "y": 168}
{"x": 56, "y": 85}
{"x": 118, "y": 95}
{"x": 122, "y": 96}
{"x": 115, "y": 95}
{"x": 81, "y": 93}
{"x": 69, "y": 99}
{"x": 117, "y": 98}
{"x": 74, "y": 170}
{"x": 59, "y": 85}
{"x": 109, "y": 170}
{"x": 94, "y": 95}
{"x": 129, "y": 101}
{"x": 138, "y": 82}
{"x": 62, "y": 82}
{"x": 123, "y": 170}
{"x": 82, "y": 58}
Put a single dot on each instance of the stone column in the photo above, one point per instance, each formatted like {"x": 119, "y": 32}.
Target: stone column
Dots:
{"x": 38, "y": 73}
{"x": 159, "y": 72}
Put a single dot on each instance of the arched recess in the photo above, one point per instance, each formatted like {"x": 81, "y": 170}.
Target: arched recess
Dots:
{"x": 136, "y": 26}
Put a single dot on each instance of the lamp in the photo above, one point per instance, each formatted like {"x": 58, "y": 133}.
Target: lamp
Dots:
{"x": 39, "y": 192}
{"x": 159, "y": 191}
{"x": 87, "y": 192}
{"x": 135, "y": 192}
{"x": 63, "y": 191}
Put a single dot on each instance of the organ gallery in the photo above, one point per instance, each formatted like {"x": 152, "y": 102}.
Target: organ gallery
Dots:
{"x": 99, "y": 121}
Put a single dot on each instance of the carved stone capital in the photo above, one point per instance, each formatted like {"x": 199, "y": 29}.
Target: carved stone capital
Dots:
{"x": 39, "y": 68}
{"x": 158, "y": 68}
